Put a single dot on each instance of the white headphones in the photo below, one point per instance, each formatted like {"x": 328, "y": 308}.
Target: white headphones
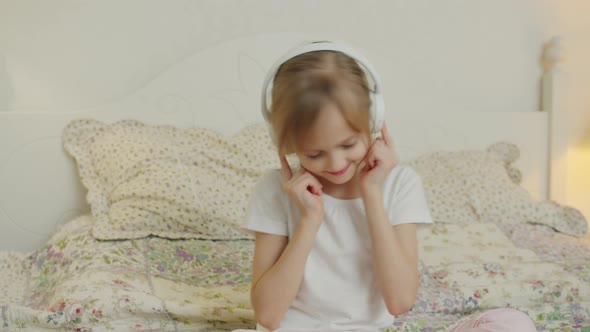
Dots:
{"x": 377, "y": 108}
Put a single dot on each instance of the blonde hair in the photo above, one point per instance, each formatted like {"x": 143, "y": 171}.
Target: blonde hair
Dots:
{"x": 307, "y": 83}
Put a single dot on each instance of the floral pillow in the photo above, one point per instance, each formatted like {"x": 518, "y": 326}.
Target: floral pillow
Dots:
{"x": 444, "y": 176}
{"x": 483, "y": 186}
{"x": 166, "y": 181}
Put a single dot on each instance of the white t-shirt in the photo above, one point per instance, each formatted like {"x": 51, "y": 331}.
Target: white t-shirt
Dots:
{"x": 338, "y": 290}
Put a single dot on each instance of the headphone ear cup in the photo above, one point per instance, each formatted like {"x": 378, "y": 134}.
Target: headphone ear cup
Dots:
{"x": 377, "y": 112}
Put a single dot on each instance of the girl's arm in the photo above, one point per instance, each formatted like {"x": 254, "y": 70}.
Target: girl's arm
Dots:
{"x": 278, "y": 272}
{"x": 278, "y": 262}
{"x": 394, "y": 248}
{"x": 395, "y": 256}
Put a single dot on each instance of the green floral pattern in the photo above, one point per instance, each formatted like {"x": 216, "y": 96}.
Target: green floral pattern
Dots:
{"x": 78, "y": 283}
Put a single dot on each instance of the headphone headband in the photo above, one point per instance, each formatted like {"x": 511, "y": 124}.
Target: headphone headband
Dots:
{"x": 377, "y": 105}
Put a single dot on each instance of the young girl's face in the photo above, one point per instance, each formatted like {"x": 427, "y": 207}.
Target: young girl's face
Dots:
{"x": 332, "y": 150}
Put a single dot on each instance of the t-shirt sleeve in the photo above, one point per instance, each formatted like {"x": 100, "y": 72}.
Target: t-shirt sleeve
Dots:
{"x": 408, "y": 203}
{"x": 267, "y": 212}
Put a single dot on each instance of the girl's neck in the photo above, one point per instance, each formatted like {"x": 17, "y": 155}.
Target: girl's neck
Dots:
{"x": 348, "y": 190}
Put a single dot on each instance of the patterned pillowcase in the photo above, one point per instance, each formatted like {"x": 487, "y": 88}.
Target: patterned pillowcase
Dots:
{"x": 444, "y": 175}
{"x": 482, "y": 186}
{"x": 500, "y": 201}
{"x": 165, "y": 181}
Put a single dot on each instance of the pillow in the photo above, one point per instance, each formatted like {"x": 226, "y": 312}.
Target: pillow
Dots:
{"x": 165, "y": 181}
{"x": 483, "y": 186}
{"x": 444, "y": 175}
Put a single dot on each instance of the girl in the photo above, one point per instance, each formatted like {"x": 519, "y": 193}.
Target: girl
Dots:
{"x": 336, "y": 245}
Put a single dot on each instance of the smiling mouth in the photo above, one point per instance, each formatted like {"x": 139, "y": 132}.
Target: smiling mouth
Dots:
{"x": 340, "y": 172}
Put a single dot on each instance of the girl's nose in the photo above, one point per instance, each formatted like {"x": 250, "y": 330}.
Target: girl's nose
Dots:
{"x": 336, "y": 163}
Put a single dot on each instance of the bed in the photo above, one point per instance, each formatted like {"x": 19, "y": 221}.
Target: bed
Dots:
{"x": 138, "y": 203}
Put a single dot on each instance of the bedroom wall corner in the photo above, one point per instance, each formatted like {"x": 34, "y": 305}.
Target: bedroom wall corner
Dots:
{"x": 570, "y": 21}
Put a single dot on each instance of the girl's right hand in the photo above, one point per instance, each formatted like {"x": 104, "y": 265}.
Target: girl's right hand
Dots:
{"x": 305, "y": 190}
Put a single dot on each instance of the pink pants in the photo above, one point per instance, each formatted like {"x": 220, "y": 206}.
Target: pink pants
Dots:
{"x": 495, "y": 320}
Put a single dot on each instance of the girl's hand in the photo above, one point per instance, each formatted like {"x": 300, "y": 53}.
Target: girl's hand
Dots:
{"x": 379, "y": 161}
{"x": 305, "y": 190}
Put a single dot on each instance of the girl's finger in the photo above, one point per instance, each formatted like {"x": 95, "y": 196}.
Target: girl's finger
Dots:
{"x": 314, "y": 189}
{"x": 385, "y": 135}
{"x": 312, "y": 184}
{"x": 370, "y": 159}
{"x": 285, "y": 168}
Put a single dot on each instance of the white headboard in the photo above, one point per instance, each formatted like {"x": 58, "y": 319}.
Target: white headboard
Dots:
{"x": 218, "y": 87}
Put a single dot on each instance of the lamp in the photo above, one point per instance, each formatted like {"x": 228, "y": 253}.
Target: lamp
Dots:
{"x": 585, "y": 141}
{"x": 579, "y": 176}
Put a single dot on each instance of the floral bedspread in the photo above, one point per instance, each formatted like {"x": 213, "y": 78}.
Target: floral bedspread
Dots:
{"x": 78, "y": 283}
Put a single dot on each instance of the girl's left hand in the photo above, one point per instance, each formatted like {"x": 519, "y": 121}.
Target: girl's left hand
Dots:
{"x": 379, "y": 161}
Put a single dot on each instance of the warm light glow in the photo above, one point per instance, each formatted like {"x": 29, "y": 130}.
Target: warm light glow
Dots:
{"x": 579, "y": 179}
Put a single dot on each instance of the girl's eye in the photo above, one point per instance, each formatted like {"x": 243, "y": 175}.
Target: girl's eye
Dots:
{"x": 348, "y": 146}
{"x": 314, "y": 156}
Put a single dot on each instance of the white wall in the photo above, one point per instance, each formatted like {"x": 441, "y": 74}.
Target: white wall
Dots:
{"x": 471, "y": 54}
{"x": 462, "y": 54}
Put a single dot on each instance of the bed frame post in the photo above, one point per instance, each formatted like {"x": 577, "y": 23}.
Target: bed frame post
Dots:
{"x": 553, "y": 100}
